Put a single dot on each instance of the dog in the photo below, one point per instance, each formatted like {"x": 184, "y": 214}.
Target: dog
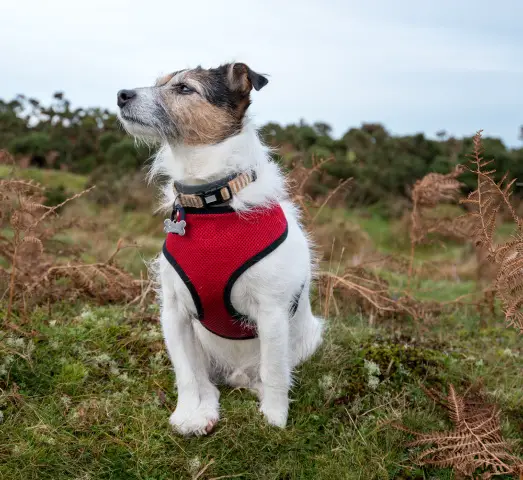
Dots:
{"x": 236, "y": 269}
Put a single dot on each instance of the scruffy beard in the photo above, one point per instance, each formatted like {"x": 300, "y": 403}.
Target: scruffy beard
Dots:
{"x": 146, "y": 118}
{"x": 140, "y": 130}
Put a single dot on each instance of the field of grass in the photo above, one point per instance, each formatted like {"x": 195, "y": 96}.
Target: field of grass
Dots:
{"x": 87, "y": 395}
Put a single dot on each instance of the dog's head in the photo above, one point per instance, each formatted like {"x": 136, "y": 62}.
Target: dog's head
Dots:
{"x": 193, "y": 107}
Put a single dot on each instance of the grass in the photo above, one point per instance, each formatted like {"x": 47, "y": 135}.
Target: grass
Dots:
{"x": 72, "y": 182}
{"x": 94, "y": 392}
{"x": 388, "y": 236}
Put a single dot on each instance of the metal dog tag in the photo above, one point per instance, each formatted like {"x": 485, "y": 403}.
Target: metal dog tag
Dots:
{"x": 170, "y": 226}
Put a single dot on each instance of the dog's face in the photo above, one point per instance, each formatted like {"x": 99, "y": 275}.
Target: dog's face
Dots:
{"x": 193, "y": 107}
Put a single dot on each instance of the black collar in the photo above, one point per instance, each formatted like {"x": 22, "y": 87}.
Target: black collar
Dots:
{"x": 213, "y": 193}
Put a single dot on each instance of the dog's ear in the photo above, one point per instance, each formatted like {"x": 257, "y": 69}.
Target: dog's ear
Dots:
{"x": 242, "y": 78}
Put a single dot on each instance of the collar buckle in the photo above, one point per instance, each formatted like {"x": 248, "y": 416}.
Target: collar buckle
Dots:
{"x": 216, "y": 196}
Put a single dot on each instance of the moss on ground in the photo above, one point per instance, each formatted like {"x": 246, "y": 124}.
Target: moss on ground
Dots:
{"x": 89, "y": 396}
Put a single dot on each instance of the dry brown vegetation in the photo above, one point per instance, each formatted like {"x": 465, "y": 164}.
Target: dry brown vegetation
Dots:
{"x": 364, "y": 288}
{"x": 475, "y": 444}
{"x": 428, "y": 193}
{"x": 43, "y": 269}
{"x": 358, "y": 285}
{"x": 477, "y": 226}
{"x": 486, "y": 203}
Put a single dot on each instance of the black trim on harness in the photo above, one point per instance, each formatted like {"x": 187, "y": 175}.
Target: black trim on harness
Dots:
{"x": 207, "y": 211}
{"x": 249, "y": 263}
{"x": 194, "y": 293}
{"x": 186, "y": 280}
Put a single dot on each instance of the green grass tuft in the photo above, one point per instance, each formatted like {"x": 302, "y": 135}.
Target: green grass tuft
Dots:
{"x": 72, "y": 182}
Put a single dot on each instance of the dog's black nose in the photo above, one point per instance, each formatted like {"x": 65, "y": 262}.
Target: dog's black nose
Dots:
{"x": 124, "y": 96}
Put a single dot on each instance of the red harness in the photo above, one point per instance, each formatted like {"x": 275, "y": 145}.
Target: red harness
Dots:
{"x": 218, "y": 246}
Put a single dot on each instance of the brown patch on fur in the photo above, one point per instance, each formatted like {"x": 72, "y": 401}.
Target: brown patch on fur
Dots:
{"x": 200, "y": 122}
{"x": 238, "y": 78}
{"x": 242, "y": 107}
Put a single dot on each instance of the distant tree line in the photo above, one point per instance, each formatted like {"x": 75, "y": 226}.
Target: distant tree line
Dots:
{"x": 90, "y": 141}
{"x": 80, "y": 139}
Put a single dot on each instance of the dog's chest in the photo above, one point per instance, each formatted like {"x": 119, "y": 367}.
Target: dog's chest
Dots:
{"x": 218, "y": 246}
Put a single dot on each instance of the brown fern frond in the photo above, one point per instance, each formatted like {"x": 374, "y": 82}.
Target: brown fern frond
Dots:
{"x": 32, "y": 207}
{"x": 489, "y": 194}
{"x": 372, "y": 294}
{"x": 17, "y": 221}
{"x": 509, "y": 281}
{"x": 475, "y": 446}
{"x": 20, "y": 186}
{"x": 456, "y": 407}
{"x": 36, "y": 242}
{"x": 487, "y": 201}
{"x": 53, "y": 210}
{"x": 427, "y": 193}
{"x": 436, "y": 188}
{"x": 461, "y": 228}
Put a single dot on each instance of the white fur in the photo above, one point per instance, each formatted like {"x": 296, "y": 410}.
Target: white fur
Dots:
{"x": 263, "y": 293}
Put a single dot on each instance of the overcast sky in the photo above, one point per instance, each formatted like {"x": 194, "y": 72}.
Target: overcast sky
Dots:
{"x": 410, "y": 64}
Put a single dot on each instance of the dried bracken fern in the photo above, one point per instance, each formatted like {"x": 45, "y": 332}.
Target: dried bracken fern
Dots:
{"x": 298, "y": 180}
{"x": 436, "y": 188}
{"x": 427, "y": 193}
{"x": 104, "y": 281}
{"x": 489, "y": 197}
{"x": 364, "y": 288}
{"x": 27, "y": 239}
{"x": 509, "y": 282}
{"x": 485, "y": 204}
{"x": 503, "y": 262}
{"x": 475, "y": 447}
{"x": 372, "y": 294}
{"x": 358, "y": 284}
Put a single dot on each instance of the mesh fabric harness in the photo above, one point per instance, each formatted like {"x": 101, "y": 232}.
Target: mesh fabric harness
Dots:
{"x": 218, "y": 246}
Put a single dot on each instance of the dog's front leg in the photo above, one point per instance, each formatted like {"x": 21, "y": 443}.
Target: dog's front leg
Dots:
{"x": 275, "y": 374}
{"x": 197, "y": 409}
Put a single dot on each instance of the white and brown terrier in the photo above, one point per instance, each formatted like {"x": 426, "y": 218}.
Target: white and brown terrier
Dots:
{"x": 235, "y": 271}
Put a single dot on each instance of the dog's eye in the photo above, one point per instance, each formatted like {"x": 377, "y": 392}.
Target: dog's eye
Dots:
{"x": 182, "y": 88}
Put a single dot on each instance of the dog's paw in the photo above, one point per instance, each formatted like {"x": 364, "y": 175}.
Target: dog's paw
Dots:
{"x": 275, "y": 415}
{"x": 257, "y": 389}
{"x": 198, "y": 421}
